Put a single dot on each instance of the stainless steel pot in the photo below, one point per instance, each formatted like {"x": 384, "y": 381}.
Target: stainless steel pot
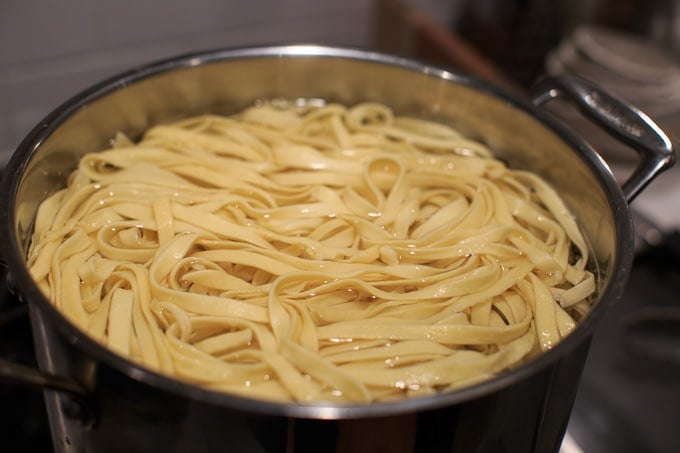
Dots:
{"x": 98, "y": 401}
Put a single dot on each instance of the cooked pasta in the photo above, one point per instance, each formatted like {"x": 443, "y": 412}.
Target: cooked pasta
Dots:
{"x": 312, "y": 253}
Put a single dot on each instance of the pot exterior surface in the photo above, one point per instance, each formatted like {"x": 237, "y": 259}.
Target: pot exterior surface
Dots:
{"x": 524, "y": 410}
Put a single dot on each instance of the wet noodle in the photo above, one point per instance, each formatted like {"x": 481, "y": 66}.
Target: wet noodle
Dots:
{"x": 315, "y": 253}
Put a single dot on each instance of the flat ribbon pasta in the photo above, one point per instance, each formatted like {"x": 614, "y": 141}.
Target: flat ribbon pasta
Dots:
{"x": 314, "y": 253}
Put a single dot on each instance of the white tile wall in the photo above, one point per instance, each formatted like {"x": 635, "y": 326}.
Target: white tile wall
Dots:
{"x": 50, "y": 50}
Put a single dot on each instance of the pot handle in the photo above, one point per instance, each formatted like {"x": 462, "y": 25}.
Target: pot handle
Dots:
{"x": 621, "y": 120}
{"x": 79, "y": 404}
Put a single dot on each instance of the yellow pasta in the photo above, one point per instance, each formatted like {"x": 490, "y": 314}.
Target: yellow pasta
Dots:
{"x": 312, "y": 253}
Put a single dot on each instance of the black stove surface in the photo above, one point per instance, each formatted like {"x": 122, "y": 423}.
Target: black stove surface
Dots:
{"x": 629, "y": 395}
{"x": 628, "y": 400}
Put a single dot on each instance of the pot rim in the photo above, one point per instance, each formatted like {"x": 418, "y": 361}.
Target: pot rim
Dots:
{"x": 27, "y": 290}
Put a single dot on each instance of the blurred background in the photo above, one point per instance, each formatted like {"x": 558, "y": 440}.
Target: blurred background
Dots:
{"x": 51, "y": 50}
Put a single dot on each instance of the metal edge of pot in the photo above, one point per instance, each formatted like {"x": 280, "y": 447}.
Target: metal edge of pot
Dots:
{"x": 28, "y": 292}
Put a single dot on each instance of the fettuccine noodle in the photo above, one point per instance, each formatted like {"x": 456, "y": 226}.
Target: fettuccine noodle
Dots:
{"x": 312, "y": 253}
